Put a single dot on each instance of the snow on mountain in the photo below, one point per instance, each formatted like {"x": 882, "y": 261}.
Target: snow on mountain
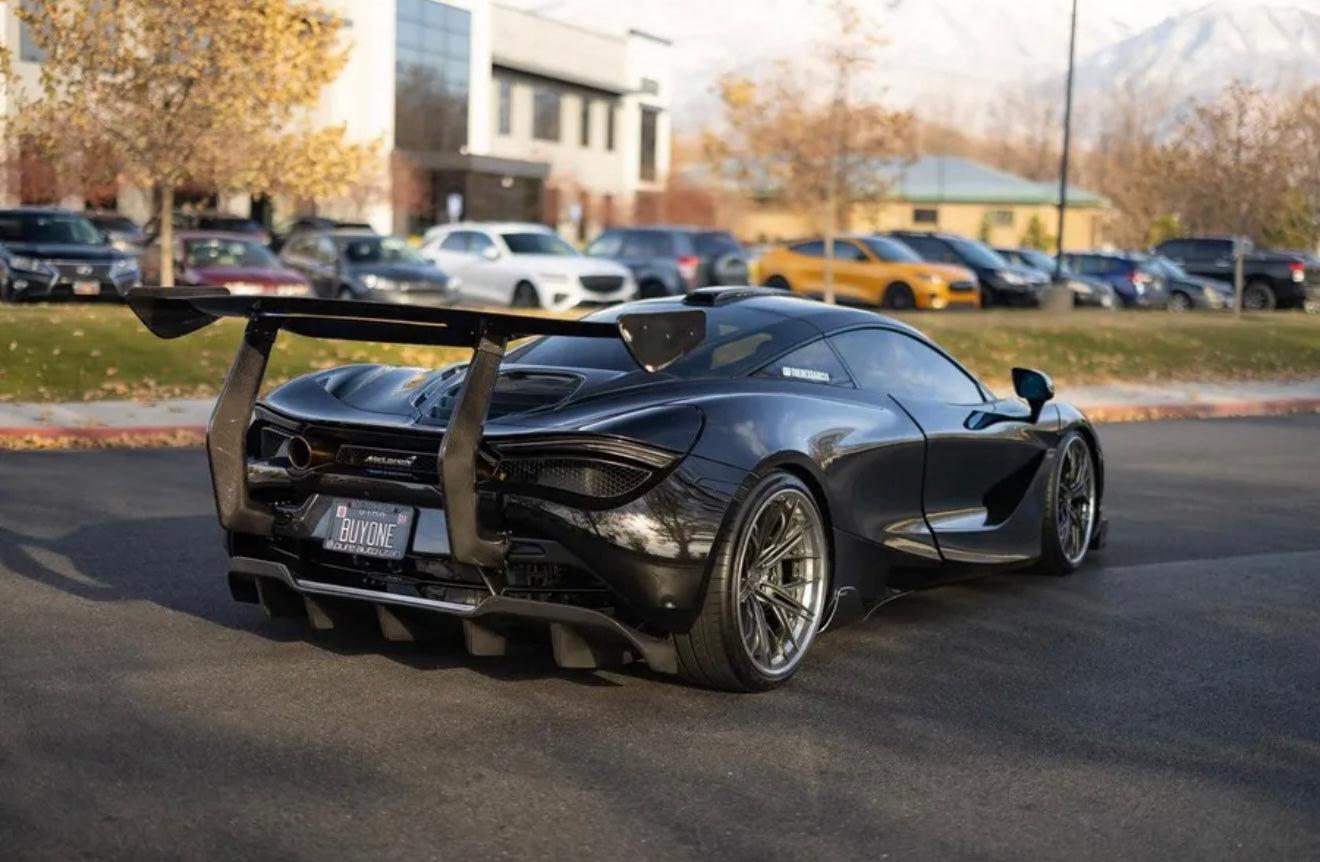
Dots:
{"x": 1197, "y": 54}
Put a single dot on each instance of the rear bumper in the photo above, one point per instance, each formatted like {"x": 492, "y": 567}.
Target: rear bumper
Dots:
{"x": 580, "y": 635}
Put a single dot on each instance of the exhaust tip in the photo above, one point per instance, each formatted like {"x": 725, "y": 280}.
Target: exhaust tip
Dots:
{"x": 300, "y": 452}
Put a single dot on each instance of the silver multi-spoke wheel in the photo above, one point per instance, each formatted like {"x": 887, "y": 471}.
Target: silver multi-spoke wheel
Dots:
{"x": 1075, "y": 500}
{"x": 780, "y": 571}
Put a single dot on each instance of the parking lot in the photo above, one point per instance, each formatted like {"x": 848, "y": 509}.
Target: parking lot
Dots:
{"x": 1163, "y": 701}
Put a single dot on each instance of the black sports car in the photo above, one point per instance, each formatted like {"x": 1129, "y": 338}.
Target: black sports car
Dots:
{"x": 703, "y": 482}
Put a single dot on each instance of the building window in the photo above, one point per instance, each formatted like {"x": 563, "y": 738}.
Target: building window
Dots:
{"x": 1000, "y": 218}
{"x": 649, "y": 140}
{"x": 923, "y": 215}
{"x": 545, "y": 114}
{"x": 506, "y": 107}
{"x": 609, "y": 128}
{"x": 432, "y": 59}
{"x": 28, "y": 50}
{"x": 650, "y": 87}
{"x": 585, "y": 132}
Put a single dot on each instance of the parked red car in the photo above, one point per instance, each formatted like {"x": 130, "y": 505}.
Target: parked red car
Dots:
{"x": 232, "y": 261}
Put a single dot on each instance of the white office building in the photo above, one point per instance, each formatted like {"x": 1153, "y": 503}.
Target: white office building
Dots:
{"x": 484, "y": 112}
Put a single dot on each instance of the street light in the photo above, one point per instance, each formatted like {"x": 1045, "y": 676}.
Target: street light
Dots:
{"x": 1067, "y": 141}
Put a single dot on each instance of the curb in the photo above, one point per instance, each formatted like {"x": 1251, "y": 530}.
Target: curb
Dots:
{"x": 1200, "y": 410}
{"x": 48, "y": 437}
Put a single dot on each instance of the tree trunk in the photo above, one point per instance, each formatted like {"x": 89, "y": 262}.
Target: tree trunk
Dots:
{"x": 167, "y": 235}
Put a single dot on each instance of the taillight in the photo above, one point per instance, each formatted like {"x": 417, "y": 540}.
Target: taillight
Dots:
{"x": 1298, "y": 270}
{"x": 687, "y": 268}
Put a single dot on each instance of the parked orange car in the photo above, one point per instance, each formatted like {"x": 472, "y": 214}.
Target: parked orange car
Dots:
{"x": 870, "y": 270}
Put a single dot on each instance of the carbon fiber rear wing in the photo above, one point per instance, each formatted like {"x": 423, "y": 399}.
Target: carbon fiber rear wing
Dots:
{"x": 655, "y": 340}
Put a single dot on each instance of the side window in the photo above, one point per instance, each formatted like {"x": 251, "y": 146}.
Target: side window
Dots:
{"x": 929, "y": 249}
{"x": 479, "y": 242}
{"x": 456, "y": 241}
{"x": 815, "y": 248}
{"x": 883, "y": 360}
{"x": 648, "y": 244}
{"x": 815, "y": 363}
{"x": 324, "y": 252}
{"x": 608, "y": 244}
{"x": 1176, "y": 249}
{"x": 849, "y": 251}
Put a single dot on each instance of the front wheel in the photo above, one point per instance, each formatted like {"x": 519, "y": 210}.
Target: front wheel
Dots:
{"x": 1179, "y": 301}
{"x": 524, "y": 296}
{"x": 766, "y": 597}
{"x": 899, "y": 297}
{"x": 1071, "y": 503}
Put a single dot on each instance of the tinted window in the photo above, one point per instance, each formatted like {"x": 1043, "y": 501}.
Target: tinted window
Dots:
{"x": 883, "y": 360}
{"x": 606, "y": 245}
{"x": 815, "y": 248}
{"x": 48, "y": 227}
{"x": 849, "y": 251}
{"x": 1209, "y": 250}
{"x": 977, "y": 253}
{"x": 815, "y": 363}
{"x": 925, "y": 215}
{"x": 229, "y": 223}
{"x": 648, "y": 244}
{"x": 1173, "y": 248}
{"x": 459, "y": 240}
{"x": 216, "y": 251}
{"x": 890, "y": 249}
{"x": 930, "y": 249}
{"x": 378, "y": 249}
{"x": 537, "y": 243}
{"x": 715, "y": 243}
{"x": 545, "y": 114}
{"x": 738, "y": 341}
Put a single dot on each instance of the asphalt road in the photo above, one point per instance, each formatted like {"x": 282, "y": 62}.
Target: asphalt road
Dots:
{"x": 1162, "y": 703}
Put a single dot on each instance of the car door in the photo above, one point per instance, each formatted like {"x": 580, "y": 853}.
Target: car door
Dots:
{"x": 855, "y": 275}
{"x": 1211, "y": 258}
{"x": 493, "y": 269}
{"x": 983, "y": 455}
{"x": 805, "y": 267}
{"x": 298, "y": 255}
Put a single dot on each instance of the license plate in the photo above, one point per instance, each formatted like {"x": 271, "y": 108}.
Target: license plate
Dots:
{"x": 368, "y": 529}
{"x": 86, "y": 288}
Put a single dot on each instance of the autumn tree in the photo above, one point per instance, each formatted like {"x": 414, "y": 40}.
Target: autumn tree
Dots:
{"x": 811, "y": 135}
{"x": 213, "y": 93}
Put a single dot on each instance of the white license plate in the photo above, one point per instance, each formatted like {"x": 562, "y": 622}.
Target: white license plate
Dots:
{"x": 86, "y": 288}
{"x": 379, "y": 530}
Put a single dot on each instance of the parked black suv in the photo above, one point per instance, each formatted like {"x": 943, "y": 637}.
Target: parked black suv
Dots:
{"x": 59, "y": 254}
{"x": 666, "y": 261}
{"x": 1002, "y": 283}
{"x": 1271, "y": 279}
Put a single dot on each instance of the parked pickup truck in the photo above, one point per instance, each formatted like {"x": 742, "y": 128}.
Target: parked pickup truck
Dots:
{"x": 1272, "y": 279}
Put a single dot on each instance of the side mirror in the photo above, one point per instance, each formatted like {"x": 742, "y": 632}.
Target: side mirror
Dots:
{"x": 1033, "y": 387}
{"x": 490, "y": 252}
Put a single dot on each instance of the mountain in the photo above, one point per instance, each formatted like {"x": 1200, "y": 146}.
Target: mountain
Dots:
{"x": 1198, "y": 53}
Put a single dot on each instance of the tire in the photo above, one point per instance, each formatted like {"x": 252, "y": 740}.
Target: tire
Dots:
{"x": 898, "y": 297}
{"x": 345, "y": 292}
{"x": 1179, "y": 302}
{"x": 728, "y": 269}
{"x": 7, "y": 292}
{"x": 1064, "y": 543}
{"x": 778, "y": 282}
{"x": 754, "y": 628}
{"x": 1259, "y": 296}
{"x": 525, "y": 296}
{"x": 651, "y": 288}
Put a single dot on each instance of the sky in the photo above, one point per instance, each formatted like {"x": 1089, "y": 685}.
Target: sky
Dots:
{"x": 939, "y": 49}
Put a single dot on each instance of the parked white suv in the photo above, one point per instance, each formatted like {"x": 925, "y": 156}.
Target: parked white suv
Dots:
{"x": 523, "y": 265}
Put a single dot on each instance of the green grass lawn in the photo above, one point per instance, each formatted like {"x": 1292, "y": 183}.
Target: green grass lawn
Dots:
{"x": 81, "y": 352}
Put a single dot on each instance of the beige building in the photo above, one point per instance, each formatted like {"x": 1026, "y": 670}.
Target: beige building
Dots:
{"x": 957, "y": 195}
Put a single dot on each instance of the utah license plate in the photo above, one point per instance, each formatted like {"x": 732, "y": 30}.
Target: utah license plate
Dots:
{"x": 86, "y": 288}
{"x": 369, "y": 529}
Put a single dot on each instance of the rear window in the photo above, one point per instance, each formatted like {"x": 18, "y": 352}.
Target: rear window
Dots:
{"x": 738, "y": 341}
{"x": 715, "y": 243}
{"x": 48, "y": 228}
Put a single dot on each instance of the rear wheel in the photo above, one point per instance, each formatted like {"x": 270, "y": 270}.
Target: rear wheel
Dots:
{"x": 346, "y": 293}
{"x": 898, "y": 297}
{"x": 767, "y": 592}
{"x": 650, "y": 289}
{"x": 1179, "y": 301}
{"x": 1257, "y": 296}
{"x": 1071, "y": 501}
{"x": 524, "y": 296}
{"x": 778, "y": 282}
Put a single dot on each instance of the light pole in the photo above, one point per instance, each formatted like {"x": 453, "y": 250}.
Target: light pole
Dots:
{"x": 1067, "y": 142}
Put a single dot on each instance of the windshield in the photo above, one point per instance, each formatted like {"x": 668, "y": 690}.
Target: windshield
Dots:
{"x": 1165, "y": 267}
{"x": 891, "y": 250}
{"x": 49, "y": 228}
{"x": 978, "y": 253}
{"x": 738, "y": 341}
{"x": 1037, "y": 259}
{"x": 378, "y": 249}
{"x": 535, "y": 242}
{"x": 715, "y": 243}
{"x": 227, "y": 252}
